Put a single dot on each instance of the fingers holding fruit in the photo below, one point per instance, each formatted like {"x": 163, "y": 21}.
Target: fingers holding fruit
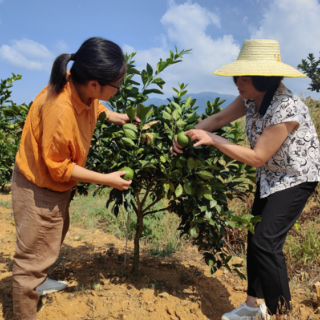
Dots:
{"x": 179, "y": 143}
{"x": 203, "y": 137}
{"x": 121, "y": 179}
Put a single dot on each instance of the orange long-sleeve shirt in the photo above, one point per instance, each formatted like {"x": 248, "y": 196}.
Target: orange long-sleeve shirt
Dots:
{"x": 56, "y": 136}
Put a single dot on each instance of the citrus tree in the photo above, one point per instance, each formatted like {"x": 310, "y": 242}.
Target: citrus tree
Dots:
{"x": 12, "y": 118}
{"x": 311, "y": 67}
{"x": 194, "y": 185}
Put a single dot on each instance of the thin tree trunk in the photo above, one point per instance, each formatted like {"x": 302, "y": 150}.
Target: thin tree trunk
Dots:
{"x": 139, "y": 230}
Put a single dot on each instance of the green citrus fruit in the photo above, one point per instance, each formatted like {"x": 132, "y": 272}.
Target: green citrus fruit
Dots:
{"x": 183, "y": 140}
{"x": 129, "y": 173}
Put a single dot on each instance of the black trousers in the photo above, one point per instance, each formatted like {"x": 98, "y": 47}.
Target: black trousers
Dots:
{"x": 266, "y": 266}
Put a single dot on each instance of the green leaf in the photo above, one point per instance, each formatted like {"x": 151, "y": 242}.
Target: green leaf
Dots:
{"x": 187, "y": 188}
{"x": 181, "y": 123}
{"x": 148, "y": 91}
{"x": 144, "y": 77}
{"x": 130, "y": 126}
{"x": 130, "y": 134}
{"x": 166, "y": 115}
{"x": 167, "y": 129}
{"x": 166, "y": 187}
{"x": 149, "y": 69}
{"x": 158, "y": 81}
{"x": 178, "y": 191}
{"x": 187, "y": 103}
{"x": 176, "y": 106}
{"x": 161, "y": 65}
{"x": 232, "y": 224}
{"x": 128, "y": 142}
{"x": 205, "y": 174}
{"x": 191, "y": 163}
{"x": 102, "y": 116}
{"x": 131, "y": 112}
{"x": 192, "y": 117}
{"x": 142, "y": 111}
{"x": 163, "y": 159}
{"x": 208, "y": 196}
{"x": 175, "y": 115}
{"x": 208, "y": 215}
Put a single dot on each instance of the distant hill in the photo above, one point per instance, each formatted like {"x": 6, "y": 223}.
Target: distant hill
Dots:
{"x": 201, "y": 97}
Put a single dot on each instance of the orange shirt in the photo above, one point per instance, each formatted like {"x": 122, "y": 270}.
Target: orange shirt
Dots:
{"x": 56, "y": 136}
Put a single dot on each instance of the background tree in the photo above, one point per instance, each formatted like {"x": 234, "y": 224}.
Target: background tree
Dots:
{"x": 311, "y": 67}
{"x": 12, "y": 118}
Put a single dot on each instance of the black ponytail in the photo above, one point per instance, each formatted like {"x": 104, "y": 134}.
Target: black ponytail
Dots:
{"x": 58, "y": 73}
{"x": 97, "y": 59}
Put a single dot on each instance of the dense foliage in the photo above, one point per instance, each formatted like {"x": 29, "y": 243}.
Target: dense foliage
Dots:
{"x": 195, "y": 184}
{"x": 311, "y": 67}
{"x": 12, "y": 118}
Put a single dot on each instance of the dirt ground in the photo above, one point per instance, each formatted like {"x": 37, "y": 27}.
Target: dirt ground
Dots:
{"x": 176, "y": 287}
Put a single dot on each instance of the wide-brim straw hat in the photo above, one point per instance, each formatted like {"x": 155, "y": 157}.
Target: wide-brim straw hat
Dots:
{"x": 260, "y": 57}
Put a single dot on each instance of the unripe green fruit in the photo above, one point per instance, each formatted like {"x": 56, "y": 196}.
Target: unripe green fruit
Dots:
{"x": 11, "y": 126}
{"x": 129, "y": 173}
{"x": 183, "y": 140}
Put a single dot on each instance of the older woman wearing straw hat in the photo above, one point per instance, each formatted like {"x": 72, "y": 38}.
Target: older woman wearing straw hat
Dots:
{"x": 281, "y": 133}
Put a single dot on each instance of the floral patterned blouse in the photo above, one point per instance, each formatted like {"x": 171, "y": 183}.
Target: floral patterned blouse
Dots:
{"x": 298, "y": 158}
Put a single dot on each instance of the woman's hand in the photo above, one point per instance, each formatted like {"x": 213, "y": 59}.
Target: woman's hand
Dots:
{"x": 176, "y": 148}
{"x": 114, "y": 180}
{"x": 120, "y": 118}
{"x": 203, "y": 137}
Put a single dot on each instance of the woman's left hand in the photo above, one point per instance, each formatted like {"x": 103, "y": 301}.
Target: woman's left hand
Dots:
{"x": 121, "y": 118}
{"x": 203, "y": 137}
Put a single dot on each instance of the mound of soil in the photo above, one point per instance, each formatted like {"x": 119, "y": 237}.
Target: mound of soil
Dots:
{"x": 175, "y": 287}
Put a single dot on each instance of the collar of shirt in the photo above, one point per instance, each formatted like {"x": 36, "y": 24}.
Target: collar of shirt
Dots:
{"x": 77, "y": 104}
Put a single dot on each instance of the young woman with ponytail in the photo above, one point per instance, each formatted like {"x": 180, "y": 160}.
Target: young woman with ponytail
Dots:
{"x": 54, "y": 145}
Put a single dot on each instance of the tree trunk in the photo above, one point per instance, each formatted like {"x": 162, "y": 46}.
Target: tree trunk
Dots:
{"x": 139, "y": 230}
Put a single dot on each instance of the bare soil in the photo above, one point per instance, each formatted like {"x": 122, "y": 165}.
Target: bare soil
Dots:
{"x": 175, "y": 287}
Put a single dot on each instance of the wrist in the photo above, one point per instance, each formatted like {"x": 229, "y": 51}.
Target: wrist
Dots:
{"x": 213, "y": 139}
{"x": 110, "y": 115}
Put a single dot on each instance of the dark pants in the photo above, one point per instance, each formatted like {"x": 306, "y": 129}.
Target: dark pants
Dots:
{"x": 266, "y": 266}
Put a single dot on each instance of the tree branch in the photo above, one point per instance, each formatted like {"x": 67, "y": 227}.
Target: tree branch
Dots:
{"x": 158, "y": 210}
{"x": 138, "y": 201}
{"x": 148, "y": 190}
{"x": 151, "y": 205}
{"x": 134, "y": 207}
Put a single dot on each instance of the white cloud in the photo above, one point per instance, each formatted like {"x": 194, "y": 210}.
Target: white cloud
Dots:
{"x": 29, "y": 54}
{"x": 295, "y": 24}
{"x": 185, "y": 26}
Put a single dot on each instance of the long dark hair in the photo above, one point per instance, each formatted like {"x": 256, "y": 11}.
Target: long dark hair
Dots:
{"x": 263, "y": 83}
{"x": 97, "y": 59}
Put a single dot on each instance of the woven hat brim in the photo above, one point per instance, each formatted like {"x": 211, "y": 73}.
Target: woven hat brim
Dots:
{"x": 259, "y": 68}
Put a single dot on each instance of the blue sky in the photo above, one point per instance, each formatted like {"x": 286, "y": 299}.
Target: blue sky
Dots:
{"x": 34, "y": 32}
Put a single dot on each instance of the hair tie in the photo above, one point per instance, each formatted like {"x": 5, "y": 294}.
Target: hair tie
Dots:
{"x": 72, "y": 56}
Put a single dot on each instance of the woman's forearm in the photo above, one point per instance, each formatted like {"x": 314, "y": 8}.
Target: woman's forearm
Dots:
{"x": 81, "y": 174}
{"x": 234, "y": 151}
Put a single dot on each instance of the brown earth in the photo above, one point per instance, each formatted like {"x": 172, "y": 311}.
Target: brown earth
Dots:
{"x": 175, "y": 287}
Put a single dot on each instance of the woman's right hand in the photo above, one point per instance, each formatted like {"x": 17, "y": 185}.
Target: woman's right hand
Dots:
{"x": 114, "y": 180}
{"x": 176, "y": 148}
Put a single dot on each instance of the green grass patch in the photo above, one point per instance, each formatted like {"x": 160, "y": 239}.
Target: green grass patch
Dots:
{"x": 159, "y": 234}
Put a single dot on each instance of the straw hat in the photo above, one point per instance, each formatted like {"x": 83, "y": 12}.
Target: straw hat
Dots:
{"x": 259, "y": 57}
